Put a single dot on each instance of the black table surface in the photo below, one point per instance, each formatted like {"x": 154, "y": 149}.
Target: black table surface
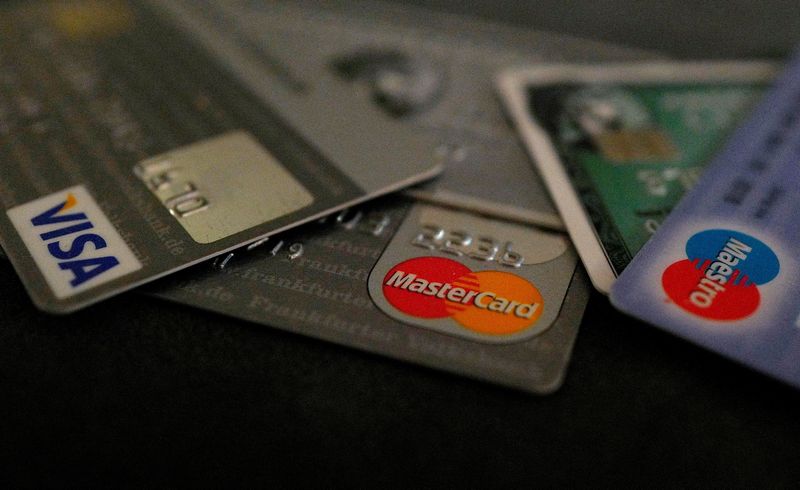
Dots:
{"x": 140, "y": 392}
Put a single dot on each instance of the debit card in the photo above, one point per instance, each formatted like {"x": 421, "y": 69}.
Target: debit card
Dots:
{"x": 722, "y": 270}
{"x": 618, "y": 145}
{"x": 130, "y": 150}
{"x": 446, "y": 289}
{"x": 428, "y": 72}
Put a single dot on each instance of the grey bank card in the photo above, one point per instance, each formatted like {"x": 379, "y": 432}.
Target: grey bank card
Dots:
{"x": 443, "y": 288}
{"x": 430, "y": 73}
{"x": 130, "y": 150}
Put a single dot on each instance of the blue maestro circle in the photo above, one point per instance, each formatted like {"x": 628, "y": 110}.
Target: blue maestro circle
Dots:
{"x": 752, "y": 257}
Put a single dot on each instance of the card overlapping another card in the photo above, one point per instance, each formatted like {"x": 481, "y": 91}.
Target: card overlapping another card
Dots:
{"x": 488, "y": 299}
{"x": 130, "y": 150}
{"x": 617, "y": 145}
{"x": 723, "y": 270}
{"x": 431, "y": 73}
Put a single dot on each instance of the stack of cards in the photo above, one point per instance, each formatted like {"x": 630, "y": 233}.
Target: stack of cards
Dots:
{"x": 140, "y": 138}
{"x": 617, "y": 146}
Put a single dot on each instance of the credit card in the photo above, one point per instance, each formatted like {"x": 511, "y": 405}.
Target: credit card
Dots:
{"x": 129, "y": 151}
{"x": 722, "y": 271}
{"x": 446, "y": 289}
{"x": 618, "y": 145}
{"x": 430, "y": 73}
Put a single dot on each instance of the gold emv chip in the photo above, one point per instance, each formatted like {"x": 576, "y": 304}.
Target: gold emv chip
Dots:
{"x": 627, "y": 145}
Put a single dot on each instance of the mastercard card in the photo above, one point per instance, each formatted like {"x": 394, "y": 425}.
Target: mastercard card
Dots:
{"x": 129, "y": 150}
{"x": 447, "y": 289}
{"x": 723, "y": 270}
{"x": 430, "y": 73}
{"x": 617, "y": 145}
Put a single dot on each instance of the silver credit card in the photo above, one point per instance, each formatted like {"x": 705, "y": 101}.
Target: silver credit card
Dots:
{"x": 131, "y": 150}
{"x": 445, "y": 289}
{"x": 429, "y": 73}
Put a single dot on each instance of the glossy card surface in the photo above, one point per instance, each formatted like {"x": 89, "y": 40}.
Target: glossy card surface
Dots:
{"x": 722, "y": 271}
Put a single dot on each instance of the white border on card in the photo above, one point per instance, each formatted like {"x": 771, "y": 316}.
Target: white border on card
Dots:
{"x": 512, "y": 84}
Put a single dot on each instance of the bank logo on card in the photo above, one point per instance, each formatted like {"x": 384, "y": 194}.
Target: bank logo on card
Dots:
{"x": 72, "y": 242}
{"x": 487, "y": 302}
{"x": 720, "y": 278}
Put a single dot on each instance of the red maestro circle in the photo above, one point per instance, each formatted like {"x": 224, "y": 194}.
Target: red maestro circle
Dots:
{"x": 680, "y": 281}
{"x": 488, "y": 302}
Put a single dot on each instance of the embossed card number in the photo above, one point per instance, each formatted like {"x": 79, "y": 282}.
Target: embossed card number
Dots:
{"x": 467, "y": 235}
{"x": 460, "y": 243}
{"x": 163, "y": 178}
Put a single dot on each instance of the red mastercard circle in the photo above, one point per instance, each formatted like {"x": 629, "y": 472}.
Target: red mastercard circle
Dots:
{"x": 433, "y": 271}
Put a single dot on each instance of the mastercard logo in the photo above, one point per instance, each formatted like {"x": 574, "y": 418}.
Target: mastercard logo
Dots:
{"x": 487, "y": 302}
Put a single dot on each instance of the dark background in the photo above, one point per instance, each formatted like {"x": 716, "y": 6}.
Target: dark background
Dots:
{"x": 140, "y": 392}
{"x": 681, "y": 28}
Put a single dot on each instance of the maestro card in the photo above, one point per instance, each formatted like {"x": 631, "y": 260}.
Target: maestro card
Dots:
{"x": 129, "y": 150}
{"x": 454, "y": 291}
{"x": 618, "y": 145}
{"x": 429, "y": 74}
{"x": 723, "y": 271}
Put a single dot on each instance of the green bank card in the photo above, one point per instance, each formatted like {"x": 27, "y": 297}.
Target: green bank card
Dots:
{"x": 619, "y": 145}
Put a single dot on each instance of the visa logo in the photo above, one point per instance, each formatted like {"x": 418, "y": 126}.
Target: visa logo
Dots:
{"x": 72, "y": 237}
{"x": 72, "y": 242}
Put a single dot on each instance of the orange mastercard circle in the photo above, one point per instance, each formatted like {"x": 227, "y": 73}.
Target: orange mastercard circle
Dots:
{"x": 488, "y": 302}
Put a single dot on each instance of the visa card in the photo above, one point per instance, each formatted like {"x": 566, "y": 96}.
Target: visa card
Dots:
{"x": 618, "y": 144}
{"x": 484, "y": 298}
{"x": 430, "y": 73}
{"x": 130, "y": 150}
{"x": 722, "y": 270}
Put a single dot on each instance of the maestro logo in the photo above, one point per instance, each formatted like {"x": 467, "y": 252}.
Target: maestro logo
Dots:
{"x": 72, "y": 242}
{"x": 719, "y": 279}
{"x": 488, "y": 302}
